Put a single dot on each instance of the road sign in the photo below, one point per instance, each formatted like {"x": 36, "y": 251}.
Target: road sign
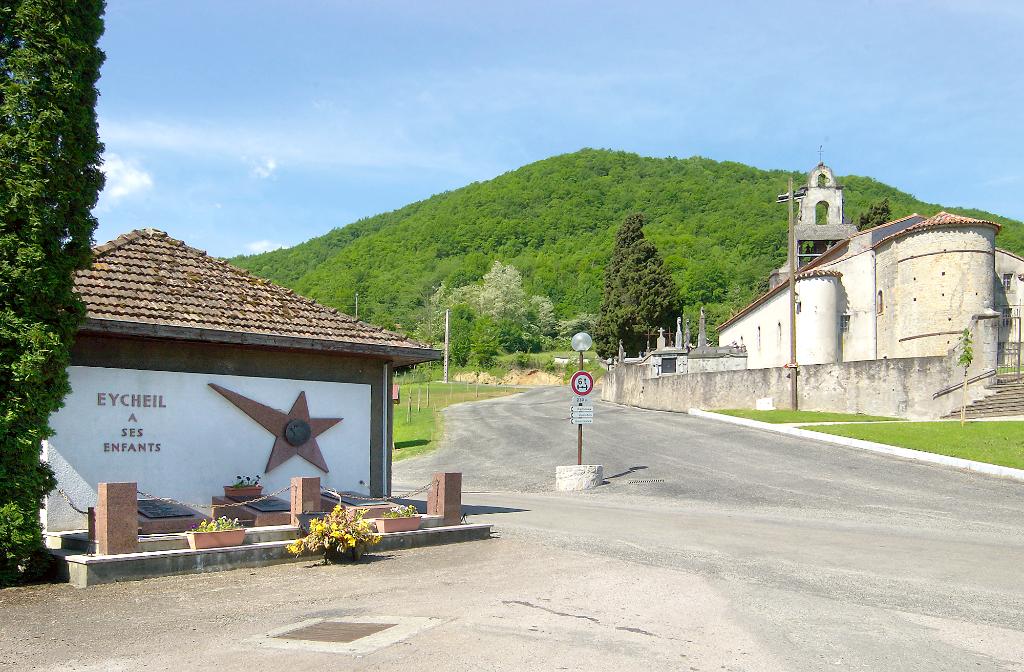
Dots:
{"x": 581, "y": 421}
{"x": 581, "y": 412}
{"x": 581, "y": 383}
{"x": 582, "y": 401}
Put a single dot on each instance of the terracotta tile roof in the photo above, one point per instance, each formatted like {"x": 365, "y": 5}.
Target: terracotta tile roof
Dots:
{"x": 146, "y": 277}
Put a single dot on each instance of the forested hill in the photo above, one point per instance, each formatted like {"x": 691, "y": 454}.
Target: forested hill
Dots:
{"x": 716, "y": 224}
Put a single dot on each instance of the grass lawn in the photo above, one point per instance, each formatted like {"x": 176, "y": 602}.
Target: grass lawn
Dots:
{"x": 999, "y": 443}
{"x": 418, "y": 423}
{"x": 781, "y": 416}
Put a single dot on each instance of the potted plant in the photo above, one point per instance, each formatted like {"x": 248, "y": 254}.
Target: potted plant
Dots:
{"x": 399, "y": 519}
{"x": 245, "y": 487}
{"x": 340, "y": 534}
{"x": 216, "y": 533}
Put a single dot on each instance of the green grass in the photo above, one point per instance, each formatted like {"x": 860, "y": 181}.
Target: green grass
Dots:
{"x": 418, "y": 424}
{"x": 999, "y": 443}
{"x": 781, "y": 416}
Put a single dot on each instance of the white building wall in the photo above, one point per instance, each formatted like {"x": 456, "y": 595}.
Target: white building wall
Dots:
{"x": 765, "y": 330}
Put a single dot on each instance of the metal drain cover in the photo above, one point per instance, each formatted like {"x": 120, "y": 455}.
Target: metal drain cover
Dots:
{"x": 340, "y": 635}
{"x": 645, "y": 481}
{"x": 335, "y": 631}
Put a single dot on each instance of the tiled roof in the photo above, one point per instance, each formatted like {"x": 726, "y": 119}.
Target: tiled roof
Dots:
{"x": 148, "y": 278}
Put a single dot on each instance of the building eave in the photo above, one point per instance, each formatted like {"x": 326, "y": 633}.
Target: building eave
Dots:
{"x": 397, "y": 355}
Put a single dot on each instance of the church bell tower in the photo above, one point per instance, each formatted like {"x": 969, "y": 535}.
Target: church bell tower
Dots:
{"x": 820, "y": 222}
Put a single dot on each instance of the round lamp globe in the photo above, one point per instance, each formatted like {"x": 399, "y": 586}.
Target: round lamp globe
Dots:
{"x": 582, "y": 341}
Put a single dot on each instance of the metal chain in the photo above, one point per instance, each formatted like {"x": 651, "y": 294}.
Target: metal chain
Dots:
{"x": 70, "y": 503}
{"x": 210, "y": 506}
{"x": 338, "y": 495}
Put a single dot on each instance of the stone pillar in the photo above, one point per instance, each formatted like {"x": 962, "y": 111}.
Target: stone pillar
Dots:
{"x": 117, "y": 518}
{"x": 305, "y": 496}
{"x": 445, "y": 498}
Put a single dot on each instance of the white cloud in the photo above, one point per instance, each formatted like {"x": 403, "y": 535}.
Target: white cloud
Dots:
{"x": 264, "y": 168}
{"x": 258, "y": 246}
{"x": 124, "y": 177}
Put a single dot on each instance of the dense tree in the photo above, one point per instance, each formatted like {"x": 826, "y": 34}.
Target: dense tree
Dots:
{"x": 485, "y": 348}
{"x": 879, "y": 213}
{"x": 49, "y": 182}
{"x": 638, "y": 291}
{"x": 555, "y": 222}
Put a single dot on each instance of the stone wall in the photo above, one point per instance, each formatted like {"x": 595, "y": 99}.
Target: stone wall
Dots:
{"x": 894, "y": 387}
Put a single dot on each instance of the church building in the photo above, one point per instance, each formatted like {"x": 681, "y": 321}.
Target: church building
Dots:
{"x": 907, "y": 288}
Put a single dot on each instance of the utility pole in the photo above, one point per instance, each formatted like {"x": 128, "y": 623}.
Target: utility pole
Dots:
{"x": 447, "y": 339}
{"x": 794, "y": 370}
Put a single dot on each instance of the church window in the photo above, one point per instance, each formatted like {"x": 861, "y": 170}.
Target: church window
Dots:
{"x": 821, "y": 213}
{"x": 880, "y": 306}
{"x": 1007, "y": 317}
{"x": 778, "y": 336}
{"x": 1007, "y": 277}
{"x": 799, "y": 307}
{"x": 759, "y": 338}
{"x": 844, "y": 324}
{"x": 822, "y": 180}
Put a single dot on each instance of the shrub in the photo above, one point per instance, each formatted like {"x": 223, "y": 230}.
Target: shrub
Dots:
{"x": 339, "y": 531}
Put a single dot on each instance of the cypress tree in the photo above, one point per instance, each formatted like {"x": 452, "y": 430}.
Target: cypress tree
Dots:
{"x": 639, "y": 293}
{"x": 49, "y": 182}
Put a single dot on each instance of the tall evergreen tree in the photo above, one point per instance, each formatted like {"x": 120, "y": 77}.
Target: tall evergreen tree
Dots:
{"x": 639, "y": 293}
{"x": 879, "y": 213}
{"x": 49, "y": 182}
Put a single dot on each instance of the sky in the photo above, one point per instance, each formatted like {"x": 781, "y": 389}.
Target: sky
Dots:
{"x": 242, "y": 126}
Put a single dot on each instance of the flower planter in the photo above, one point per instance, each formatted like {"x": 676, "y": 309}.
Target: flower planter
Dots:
{"x": 385, "y": 525}
{"x": 248, "y": 492}
{"x": 198, "y": 540}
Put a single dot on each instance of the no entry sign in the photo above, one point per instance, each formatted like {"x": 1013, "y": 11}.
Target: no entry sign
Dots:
{"x": 581, "y": 383}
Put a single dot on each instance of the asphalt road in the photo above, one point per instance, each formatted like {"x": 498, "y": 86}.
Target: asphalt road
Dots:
{"x": 825, "y": 555}
{"x": 757, "y": 552}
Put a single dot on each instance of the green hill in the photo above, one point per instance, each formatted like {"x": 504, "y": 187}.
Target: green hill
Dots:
{"x": 716, "y": 224}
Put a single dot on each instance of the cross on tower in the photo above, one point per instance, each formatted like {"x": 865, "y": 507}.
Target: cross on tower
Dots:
{"x": 819, "y": 153}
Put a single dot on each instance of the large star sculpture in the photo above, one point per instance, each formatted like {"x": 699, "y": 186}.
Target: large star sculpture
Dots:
{"x": 294, "y": 432}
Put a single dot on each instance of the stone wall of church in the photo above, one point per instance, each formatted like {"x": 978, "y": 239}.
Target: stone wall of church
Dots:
{"x": 932, "y": 283}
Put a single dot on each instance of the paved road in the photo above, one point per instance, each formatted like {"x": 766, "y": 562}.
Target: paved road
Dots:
{"x": 758, "y": 552}
{"x": 825, "y": 555}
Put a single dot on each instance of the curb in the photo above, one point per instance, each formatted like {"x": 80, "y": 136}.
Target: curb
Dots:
{"x": 907, "y": 453}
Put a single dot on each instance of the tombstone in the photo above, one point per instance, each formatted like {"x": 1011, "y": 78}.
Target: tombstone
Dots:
{"x": 679, "y": 333}
{"x": 305, "y": 497}
{"x": 117, "y": 518}
{"x": 702, "y": 334}
{"x": 661, "y": 339}
{"x": 622, "y": 352}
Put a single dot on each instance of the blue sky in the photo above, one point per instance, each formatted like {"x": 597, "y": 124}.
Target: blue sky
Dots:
{"x": 241, "y": 126}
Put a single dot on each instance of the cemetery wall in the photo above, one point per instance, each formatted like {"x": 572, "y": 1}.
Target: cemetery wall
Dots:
{"x": 893, "y": 387}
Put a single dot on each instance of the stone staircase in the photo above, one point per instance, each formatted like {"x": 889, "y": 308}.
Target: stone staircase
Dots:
{"x": 1007, "y": 398}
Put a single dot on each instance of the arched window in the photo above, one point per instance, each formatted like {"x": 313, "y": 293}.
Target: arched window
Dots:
{"x": 880, "y": 305}
{"x": 822, "y": 179}
{"x": 759, "y": 338}
{"x": 821, "y": 213}
{"x": 778, "y": 335}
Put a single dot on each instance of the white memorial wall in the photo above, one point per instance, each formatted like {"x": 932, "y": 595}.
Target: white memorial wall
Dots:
{"x": 178, "y": 437}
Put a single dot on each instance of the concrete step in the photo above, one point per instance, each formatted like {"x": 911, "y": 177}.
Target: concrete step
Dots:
{"x": 86, "y": 570}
